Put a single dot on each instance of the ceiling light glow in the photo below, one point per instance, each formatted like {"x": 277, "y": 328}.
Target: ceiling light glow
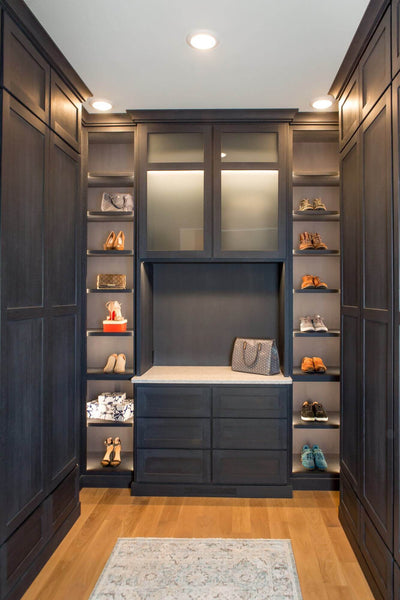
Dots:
{"x": 202, "y": 40}
{"x": 322, "y": 102}
{"x": 101, "y": 105}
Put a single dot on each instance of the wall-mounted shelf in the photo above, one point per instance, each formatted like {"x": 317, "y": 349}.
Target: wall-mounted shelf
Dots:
{"x": 104, "y": 423}
{"x": 114, "y": 179}
{"x": 109, "y": 215}
{"x": 332, "y": 471}
{"x": 317, "y": 180}
{"x": 100, "y": 375}
{"x": 109, "y": 291}
{"x": 331, "y": 374}
{"x": 333, "y": 422}
{"x": 100, "y": 332}
{"x": 317, "y": 291}
{"x": 109, "y": 253}
{"x": 328, "y": 215}
{"x": 316, "y": 253}
{"x": 316, "y": 334}
{"x": 94, "y": 458}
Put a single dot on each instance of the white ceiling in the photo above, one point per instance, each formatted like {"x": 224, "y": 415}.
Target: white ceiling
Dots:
{"x": 272, "y": 53}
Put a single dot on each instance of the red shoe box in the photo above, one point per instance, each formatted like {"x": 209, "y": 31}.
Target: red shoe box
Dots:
{"x": 110, "y": 326}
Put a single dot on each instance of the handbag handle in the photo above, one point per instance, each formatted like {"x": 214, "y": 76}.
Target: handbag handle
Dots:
{"x": 244, "y": 355}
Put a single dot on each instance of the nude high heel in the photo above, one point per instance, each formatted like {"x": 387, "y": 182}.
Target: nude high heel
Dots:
{"x": 120, "y": 364}
{"x": 106, "y": 460}
{"x": 110, "y": 364}
{"x": 114, "y": 309}
{"x": 119, "y": 242}
{"x": 110, "y": 241}
{"x": 116, "y": 461}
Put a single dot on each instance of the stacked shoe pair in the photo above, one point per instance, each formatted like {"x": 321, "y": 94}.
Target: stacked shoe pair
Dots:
{"x": 310, "y": 324}
{"x": 311, "y": 282}
{"x": 311, "y": 241}
{"x": 313, "y": 364}
{"x": 317, "y": 204}
{"x": 313, "y": 411}
{"x": 313, "y": 458}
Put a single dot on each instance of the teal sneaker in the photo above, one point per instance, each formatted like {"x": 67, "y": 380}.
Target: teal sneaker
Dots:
{"x": 319, "y": 458}
{"x": 307, "y": 458}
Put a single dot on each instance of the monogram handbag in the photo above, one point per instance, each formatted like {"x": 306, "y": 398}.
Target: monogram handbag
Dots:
{"x": 121, "y": 202}
{"x": 111, "y": 281}
{"x": 255, "y": 356}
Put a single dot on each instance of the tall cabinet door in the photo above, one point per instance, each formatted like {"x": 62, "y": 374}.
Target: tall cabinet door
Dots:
{"x": 62, "y": 363}
{"x": 350, "y": 177}
{"x": 250, "y": 179}
{"x": 23, "y": 193}
{"x": 396, "y": 246}
{"x": 377, "y": 438}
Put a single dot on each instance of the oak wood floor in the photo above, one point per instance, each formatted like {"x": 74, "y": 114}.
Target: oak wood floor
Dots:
{"x": 327, "y": 567}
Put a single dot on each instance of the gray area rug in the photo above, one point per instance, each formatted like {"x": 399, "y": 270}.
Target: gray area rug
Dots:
{"x": 199, "y": 569}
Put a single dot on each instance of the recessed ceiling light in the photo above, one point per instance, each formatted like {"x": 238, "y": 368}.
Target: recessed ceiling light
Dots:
{"x": 101, "y": 105}
{"x": 322, "y": 102}
{"x": 223, "y": 154}
{"x": 202, "y": 40}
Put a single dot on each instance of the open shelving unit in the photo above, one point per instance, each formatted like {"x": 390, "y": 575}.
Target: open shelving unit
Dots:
{"x": 316, "y": 174}
{"x": 110, "y": 168}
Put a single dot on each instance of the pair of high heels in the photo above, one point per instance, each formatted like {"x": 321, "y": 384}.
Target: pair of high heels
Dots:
{"x": 112, "y": 457}
{"x": 115, "y": 241}
{"x": 115, "y": 363}
{"x": 114, "y": 308}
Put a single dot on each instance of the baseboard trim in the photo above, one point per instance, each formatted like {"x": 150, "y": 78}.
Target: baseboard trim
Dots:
{"x": 215, "y": 491}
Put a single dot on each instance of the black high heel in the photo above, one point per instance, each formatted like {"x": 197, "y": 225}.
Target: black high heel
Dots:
{"x": 109, "y": 443}
{"x": 116, "y": 461}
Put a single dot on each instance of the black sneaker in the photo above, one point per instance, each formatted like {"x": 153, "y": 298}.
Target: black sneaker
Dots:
{"x": 307, "y": 413}
{"x": 319, "y": 412}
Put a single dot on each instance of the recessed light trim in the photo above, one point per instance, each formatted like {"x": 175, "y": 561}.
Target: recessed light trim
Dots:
{"x": 101, "y": 104}
{"x": 322, "y": 102}
{"x": 202, "y": 40}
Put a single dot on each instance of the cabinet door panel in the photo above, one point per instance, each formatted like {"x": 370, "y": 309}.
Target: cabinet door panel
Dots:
{"x": 250, "y": 434}
{"x": 64, "y": 499}
{"x": 350, "y": 506}
{"x": 375, "y": 70}
{"x": 172, "y": 401}
{"x": 173, "y": 433}
{"x": 250, "y": 402}
{"x": 252, "y": 467}
{"x": 351, "y": 406}
{"x": 395, "y": 36}
{"x": 378, "y": 427}
{"x": 377, "y": 556}
{"x": 22, "y": 421}
{"x": 173, "y": 466}
{"x": 62, "y": 217}
{"x": 377, "y": 212}
{"x": 26, "y": 73}
{"x": 396, "y": 582}
{"x": 349, "y": 110}
{"x": 65, "y": 112}
{"x": 24, "y": 165}
{"x": 62, "y": 395}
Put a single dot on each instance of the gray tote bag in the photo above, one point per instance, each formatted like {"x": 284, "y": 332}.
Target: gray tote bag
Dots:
{"x": 255, "y": 356}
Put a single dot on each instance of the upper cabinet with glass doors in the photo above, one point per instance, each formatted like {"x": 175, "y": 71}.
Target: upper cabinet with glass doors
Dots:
{"x": 213, "y": 191}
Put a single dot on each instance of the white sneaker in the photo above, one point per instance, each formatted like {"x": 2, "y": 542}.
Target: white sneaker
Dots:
{"x": 306, "y": 324}
{"x": 318, "y": 323}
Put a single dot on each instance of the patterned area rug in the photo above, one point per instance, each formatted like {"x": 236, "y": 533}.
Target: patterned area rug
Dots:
{"x": 199, "y": 569}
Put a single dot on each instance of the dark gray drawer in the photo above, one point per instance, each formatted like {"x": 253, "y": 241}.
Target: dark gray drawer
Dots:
{"x": 172, "y": 401}
{"x": 376, "y": 554}
{"x": 173, "y": 433}
{"x": 251, "y": 402}
{"x": 252, "y": 467}
{"x": 173, "y": 466}
{"x": 250, "y": 434}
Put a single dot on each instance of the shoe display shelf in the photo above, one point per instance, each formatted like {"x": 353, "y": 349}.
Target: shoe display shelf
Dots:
{"x": 316, "y": 175}
{"x": 110, "y": 152}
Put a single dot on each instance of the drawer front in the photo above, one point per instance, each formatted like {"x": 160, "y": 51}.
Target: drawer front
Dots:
{"x": 252, "y": 467}
{"x": 64, "y": 499}
{"x": 350, "y": 505}
{"x": 173, "y": 466}
{"x": 250, "y": 434}
{"x": 173, "y": 433}
{"x": 376, "y": 554}
{"x": 172, "y": 401}
{"x": 250, "y": 402}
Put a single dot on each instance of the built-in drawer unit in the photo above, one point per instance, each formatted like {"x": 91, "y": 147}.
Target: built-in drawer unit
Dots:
{"x": 212, "y": 434}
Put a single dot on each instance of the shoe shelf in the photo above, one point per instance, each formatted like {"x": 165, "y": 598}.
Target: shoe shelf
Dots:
{"x": 109, "y": 291}
{"x": 104, "y": 423}
{"x": 93, "y": 463}
{"x": 316, "y": 252}
{"x": 315, "y": 334}
{"x": 315, "y": 179}
{"x": 326, "y": 215}
{"x": 331, "y": 374}
{"x": 316, "y": 291}
{"x": 108, "y": 253}
{"x": 109, "y": 215}
{"x": 101, "y": 333}
{"x": 333, "y": 422}
{"x": 100, "y": 375}
{"x": 113, "y": 179}
{"x": 332, "y": 471}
